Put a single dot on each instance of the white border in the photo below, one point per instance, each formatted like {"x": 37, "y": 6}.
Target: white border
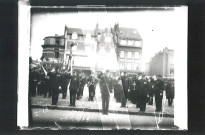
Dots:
{"x": 23, "y": 63}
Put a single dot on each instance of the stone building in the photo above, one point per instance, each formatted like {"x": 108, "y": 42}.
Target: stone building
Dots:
{"x": 53, "y": 48}
{"x": 84, "y": 50}
{"x": 129, "y": 49}
{"x": 162, "y": 63}
{"x": 96, "y": 50}
{"x": 106, "y": 55}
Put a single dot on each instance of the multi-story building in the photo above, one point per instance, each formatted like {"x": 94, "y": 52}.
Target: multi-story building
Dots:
{"x": 162, "y": 63}
{"x": 53, "y": 48}
{"x": 84, "y": 50}
{"x": 96, "y": 50}
{"x": 105, "y": 50}
{"x": 129, "y": 49}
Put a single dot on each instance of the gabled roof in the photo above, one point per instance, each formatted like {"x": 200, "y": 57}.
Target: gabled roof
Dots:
{"x": 77, "y": 30}
{"x": 61, "y": 36}
{"x": 129, "y": 33}
{"x": 88, "y": 31}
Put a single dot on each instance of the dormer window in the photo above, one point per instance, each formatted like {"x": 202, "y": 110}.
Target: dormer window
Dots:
{"x": 135, "y": 32}
{"x": 57, "y": 41}
{"x": 74, "y": 35}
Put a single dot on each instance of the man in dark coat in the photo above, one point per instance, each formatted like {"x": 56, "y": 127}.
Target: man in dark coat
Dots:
{"x": 105, "y": 92}
{"x": 137, "y": 87}
{"x": 82, "y": 80}
{"x": 91, "y": 83}
{"x": 64, "y": 83}
{"x": 118, "y": 90}
{"x": 143, "y": 93}
{"x": 126, "y": 86}
{"x": 48, "y": 84}
{"x": 132, "y": 93}
{"x": 110, "y": 83}
{"x": 33, "y": 81}
{"x": 150, "y": 91}
{"x": 74, "y": 85}
{"x": 170, "y": 93}
{"x": 56, "y": 79}
{"x": 158, "y": 92}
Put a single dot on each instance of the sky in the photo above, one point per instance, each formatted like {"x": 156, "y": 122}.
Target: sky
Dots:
{"x": 158, "y": 29}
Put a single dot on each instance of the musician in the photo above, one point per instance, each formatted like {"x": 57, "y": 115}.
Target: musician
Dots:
{"x": 81, "y": 86}
{"x": 91, "y": 83}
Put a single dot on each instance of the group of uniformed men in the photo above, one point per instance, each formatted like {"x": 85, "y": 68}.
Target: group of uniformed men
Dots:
{"x": 57, "y": 81}
{"x": 138, "y": 89}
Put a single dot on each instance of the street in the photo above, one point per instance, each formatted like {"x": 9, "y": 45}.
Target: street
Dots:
{"x": 62, "y": 120}
{"x": 72, "y": 119}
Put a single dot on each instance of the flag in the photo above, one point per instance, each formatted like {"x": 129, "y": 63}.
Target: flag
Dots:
{"x": 44, "y": 70}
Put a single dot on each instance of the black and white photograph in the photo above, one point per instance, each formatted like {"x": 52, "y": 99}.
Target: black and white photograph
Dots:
{"x": 105, "y": 68}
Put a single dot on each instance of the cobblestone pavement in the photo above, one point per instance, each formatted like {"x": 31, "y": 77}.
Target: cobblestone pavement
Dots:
{"x": 96, "y": 104}
{"x": 64, "y": 119}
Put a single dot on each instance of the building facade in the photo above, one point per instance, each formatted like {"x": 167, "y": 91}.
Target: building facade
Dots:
{"x": 53, "y": 48}
{"x": 129, "y": 46}
{"x": 162, "y": 63}
{"x": 96, "y": 50}
{"x": 83, "y": 52}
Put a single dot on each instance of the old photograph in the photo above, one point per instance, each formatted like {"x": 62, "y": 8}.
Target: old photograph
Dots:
{"x": 106, "y": 69}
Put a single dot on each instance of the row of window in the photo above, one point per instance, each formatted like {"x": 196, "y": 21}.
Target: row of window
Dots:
{"x": 130, "y": 55}
{"x": 130, "y": 42}
{"x": 129, "y": 66}
{"x": 58, "y": 41}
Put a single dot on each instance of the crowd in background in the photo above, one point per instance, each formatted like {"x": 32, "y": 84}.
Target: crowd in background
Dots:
{"x": 139, "y": 89}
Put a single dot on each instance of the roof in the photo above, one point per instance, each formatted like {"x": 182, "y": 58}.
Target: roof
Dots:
{"x": 88, "y": 31}
{"x": 77, "y": 30}
{"x": 130, "y": 33}
{"x": 61, "y": 36}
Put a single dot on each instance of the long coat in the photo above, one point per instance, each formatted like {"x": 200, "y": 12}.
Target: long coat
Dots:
{"x": 104, "y": 86}
{"x": 143, "y": 87}
{"x": 74, "y": 83}
{"x": 158, "y": 88}
{"x": 126, "y": 85}
{"x": 169, "y": 91}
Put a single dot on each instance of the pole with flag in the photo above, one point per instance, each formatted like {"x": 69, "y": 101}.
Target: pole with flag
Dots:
{"x": 65, "y": 44}
{"x": 44, "y": 70}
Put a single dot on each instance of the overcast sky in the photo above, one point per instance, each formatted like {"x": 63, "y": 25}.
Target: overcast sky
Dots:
{"x": 158, "y": 29}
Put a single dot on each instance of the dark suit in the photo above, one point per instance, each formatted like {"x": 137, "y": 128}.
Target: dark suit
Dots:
{"x": 126, "y": 86}
{"x": 56, "y": 77}
{"x": 91, "y": 87}
{"x": 105, "y": 93}
{"x": 150, "y": 92}
{"x": 64, "y": 84}
{"x": 170, "y": 93}
{"x": 81, "y": 87}
{"x": 74, "y": 85}
{"x": 143, "y": 94}
{"x": 158, "y": 91}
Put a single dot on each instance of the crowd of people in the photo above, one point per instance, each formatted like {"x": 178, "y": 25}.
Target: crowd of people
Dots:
{"x": 139, "y": 89}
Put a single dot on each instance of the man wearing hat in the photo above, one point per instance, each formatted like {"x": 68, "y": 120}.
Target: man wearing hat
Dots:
{"x": 158, "y": 92}
{"x": 126, "y": 85}
{"x": 170, "y": 92}
{"x": 143, "y": 93}
{"x": 74, "y": 85}
{"x": 105, "y": 93}
{"x": 56, "y": 85}
{"x": 64, "y": 83}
